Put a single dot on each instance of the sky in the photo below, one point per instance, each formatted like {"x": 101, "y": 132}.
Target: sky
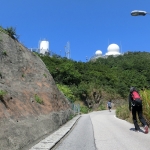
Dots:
{"x": 88, "y": 25}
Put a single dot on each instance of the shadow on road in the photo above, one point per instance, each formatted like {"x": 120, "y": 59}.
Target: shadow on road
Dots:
{"x": 133, "y": 129}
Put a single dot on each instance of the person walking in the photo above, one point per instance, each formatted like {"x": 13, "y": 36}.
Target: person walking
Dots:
{"x": 109, "y": 105}
{"x": 135, "y": 106}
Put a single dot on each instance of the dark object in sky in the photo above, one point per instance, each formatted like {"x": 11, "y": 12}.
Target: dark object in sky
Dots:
{"x": 138, "y": 13}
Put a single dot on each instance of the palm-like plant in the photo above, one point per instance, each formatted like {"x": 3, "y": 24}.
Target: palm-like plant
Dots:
{"x": 11, "y": 31}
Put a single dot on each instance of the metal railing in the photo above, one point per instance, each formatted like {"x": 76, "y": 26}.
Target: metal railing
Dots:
{"x": 75, "y": 108}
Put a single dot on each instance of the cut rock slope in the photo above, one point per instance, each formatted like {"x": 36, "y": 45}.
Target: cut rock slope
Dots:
{"x": 25, "y": 79}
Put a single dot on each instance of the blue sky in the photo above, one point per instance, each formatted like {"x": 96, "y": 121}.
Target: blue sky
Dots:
{"x": 88, "y": 25}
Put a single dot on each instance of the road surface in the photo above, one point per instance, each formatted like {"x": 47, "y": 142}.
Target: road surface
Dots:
{"x": 80, "y": 137}
{"x": 103, "y": 131}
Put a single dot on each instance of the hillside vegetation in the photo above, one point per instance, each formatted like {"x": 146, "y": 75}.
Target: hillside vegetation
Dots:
{"x": 94, "y": 83}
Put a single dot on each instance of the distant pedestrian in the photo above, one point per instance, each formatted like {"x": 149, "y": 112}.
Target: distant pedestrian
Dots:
{"x": 135, "y": 105}
{"x": 109, "y": 105}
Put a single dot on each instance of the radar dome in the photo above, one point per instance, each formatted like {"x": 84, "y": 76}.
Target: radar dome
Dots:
{"x": 113, "y": 49}
{"x": 98, "y": 52}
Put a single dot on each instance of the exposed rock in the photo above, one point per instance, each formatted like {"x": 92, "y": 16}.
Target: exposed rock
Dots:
{"x": 32, "y": 105}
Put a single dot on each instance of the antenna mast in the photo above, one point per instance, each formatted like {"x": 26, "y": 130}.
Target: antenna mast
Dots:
{"x": 67, "y": 50}
{"x": 121, "y": 48}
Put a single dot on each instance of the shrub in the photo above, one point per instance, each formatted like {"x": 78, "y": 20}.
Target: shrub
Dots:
{"x": 67, "y": 92}
{"x": 123, "y": 112}
{"x": 38, "y": 99}
{"x": 4, "y": 53}
{"x": 145, "y": 95}
{"x": 84, "y": 109}
{"x": 23, "y": 75}
{"x": 101, "y": 107}
{"x": 45, "y": 75}
{"x": 2, "y": 93}
{"x": 11, "y": 31}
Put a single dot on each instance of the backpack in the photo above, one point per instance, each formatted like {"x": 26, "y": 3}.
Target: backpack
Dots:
{"x": 109, "y": 104}
{"x": 137, "y": 101}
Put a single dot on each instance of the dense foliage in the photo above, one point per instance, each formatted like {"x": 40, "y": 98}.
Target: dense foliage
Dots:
{"x": 95, "y": 82}
{"x": 113, "y": 74}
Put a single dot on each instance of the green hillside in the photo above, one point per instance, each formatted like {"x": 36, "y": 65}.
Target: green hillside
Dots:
{"x": 94, "y": 83}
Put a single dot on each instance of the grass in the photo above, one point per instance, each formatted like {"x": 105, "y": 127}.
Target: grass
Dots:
{"x": 35, "y": 53}
{"x": 123, "y": 112}
{"x": 4, "y": 53}
{"x": 145, "y": 94}
{"x": 38, "y": 99}
{"x": 45, "y": 75}
{"x": 2, "y": 93}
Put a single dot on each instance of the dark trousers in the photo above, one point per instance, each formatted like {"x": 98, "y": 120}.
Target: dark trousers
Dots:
{"x": 138, "y": 110}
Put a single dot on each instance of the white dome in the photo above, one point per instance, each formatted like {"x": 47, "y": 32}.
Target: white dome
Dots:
{"x": 98, "y": 52}
{"x": 113, "y": 48}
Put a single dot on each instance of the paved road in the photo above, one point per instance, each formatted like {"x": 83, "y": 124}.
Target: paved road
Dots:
{"x": 80, "y": 137}
{"x": 107, "y": 133}
{"x": 96, "y": 131}
{"x": 111, "y": 133}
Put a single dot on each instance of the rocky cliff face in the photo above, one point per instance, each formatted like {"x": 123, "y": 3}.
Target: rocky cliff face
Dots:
{"x": 31, "y": 106}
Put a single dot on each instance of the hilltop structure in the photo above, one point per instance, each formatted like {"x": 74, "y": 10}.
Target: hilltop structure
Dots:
{"x": 44, "y": 47}
{"x": 112, "y": 50}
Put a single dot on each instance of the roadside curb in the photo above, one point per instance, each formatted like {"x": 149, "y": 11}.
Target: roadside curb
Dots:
{"x": 50, "y": 141}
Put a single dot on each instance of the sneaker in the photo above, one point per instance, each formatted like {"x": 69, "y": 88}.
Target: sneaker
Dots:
{"x": 146, "y": 129}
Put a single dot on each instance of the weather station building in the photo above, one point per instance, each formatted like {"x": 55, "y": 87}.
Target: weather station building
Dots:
{"x": 112, "y": 50}
{"x": 44, "y": 47}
